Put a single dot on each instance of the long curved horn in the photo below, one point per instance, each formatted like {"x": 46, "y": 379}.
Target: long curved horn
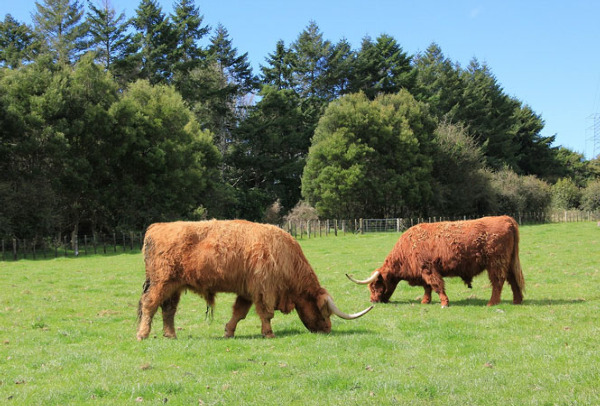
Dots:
{"x": 370, "y": 279}
{"x": 334, "y": 309}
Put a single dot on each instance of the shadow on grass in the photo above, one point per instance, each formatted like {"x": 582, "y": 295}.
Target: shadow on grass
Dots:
{"x": 294, "y": 332}
{"x": 483, "y": 302}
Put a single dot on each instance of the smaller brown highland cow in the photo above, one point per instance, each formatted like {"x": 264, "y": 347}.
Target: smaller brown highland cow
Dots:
{"x": 428, "y": 252}
{"x": 260, "y": 263}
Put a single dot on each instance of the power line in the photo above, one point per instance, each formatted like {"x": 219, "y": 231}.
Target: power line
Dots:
{"x": 595, "y": 137}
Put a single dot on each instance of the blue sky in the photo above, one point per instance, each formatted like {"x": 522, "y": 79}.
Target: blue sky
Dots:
{"x": 544, "y": 53}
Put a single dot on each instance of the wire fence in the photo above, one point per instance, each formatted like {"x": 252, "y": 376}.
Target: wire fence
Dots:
{"x": 13, "y": 249}
{"x": 74, "y": 246}
{"x": 319, "y": 228}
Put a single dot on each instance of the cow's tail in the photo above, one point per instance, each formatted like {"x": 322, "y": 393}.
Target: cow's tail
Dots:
{"x": 516, "y": 263}
{"x": 145, "y": 288}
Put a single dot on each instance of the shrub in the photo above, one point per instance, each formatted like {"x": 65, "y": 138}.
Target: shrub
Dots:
{"x": 301, "y": 212}
{"x": 273, "y": 213}
{"x": 590, "y": 197}
{"x": 565, "y": 194}
{"x": 519, "y": 194}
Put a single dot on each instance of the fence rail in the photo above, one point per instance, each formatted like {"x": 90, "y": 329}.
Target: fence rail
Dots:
{"x": 318, "y": 228}
{"x": 39, "y": 248}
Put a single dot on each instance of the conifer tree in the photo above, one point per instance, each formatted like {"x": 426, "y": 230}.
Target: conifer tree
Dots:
{"x": 278, "y": 71}
{"x": 60, "y": 27}
{"x": 269, "y": 153}
{"x": 382, "y": 67}
{"x": 109, "y": 37}
{"x": 309, "y": 62}
{"x": 437, "y": 82}
{"x": 153, "y": 50}
{"x": 187, "y": 22}
{"x": 237, "y": 81}
{"x": 487, "y": 112}
{"x": 17, "y": 43}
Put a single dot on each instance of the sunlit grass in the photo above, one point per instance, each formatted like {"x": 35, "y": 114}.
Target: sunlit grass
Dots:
{"x": 67, "y": 335}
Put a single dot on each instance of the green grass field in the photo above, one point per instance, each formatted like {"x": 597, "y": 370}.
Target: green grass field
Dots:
{"x": 67, "y": 336}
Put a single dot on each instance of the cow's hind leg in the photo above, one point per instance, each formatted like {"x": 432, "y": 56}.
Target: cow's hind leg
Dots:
{"x": 516, "y": 289}
{"x": 169, "y": 307}
{"x": 240, "y": 310}
{"x": 435, "y": 280}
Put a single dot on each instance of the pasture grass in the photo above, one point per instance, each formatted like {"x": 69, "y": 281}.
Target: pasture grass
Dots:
{"x": 67, "y": 336}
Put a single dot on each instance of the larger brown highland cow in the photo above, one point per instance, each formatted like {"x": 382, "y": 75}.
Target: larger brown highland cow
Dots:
{"x": 260, "y": 263}
{"x": 428, "y": 252}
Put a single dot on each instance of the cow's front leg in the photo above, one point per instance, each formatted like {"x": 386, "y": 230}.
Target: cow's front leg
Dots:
{"x": 497, "y": 281}
{"x": 266, "y": 314}
{"x": 169, "y": 307}
{"x": 427, "y": 295}
{"x": 240, "y": 310}
{"x": 435, "y": 280}
{"x": 149, "y": 302}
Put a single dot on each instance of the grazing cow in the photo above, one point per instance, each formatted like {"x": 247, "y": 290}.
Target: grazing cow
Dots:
{"x": 428, "y": 252}
{"x": 260, "y": 263}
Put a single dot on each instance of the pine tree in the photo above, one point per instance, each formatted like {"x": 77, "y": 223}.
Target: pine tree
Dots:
{"x": 269, "y": 153}
{"x": 309, "y": 62}
{"x": 382, "y": 67}
{"x": 237, "y": 81}
{"x": 187, "y": 23}
{"x": 278, "y": 71}
{"x": 236, "y": 68}
{"x": 154, "y": 45}
{"x": 535, "y": 154}
{"x": 488, "y": 114}
{"x": 108, "y": 33}
{"x": 340, "y": 64}
{"x": 17, "y": 43}
{"x": 60, "y": 27}
{"x": 437, "y": 82}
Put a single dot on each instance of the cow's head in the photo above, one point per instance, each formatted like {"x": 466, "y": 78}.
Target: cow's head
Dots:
{"x": 315, "y": 311}
{"x": 381, "y": 285}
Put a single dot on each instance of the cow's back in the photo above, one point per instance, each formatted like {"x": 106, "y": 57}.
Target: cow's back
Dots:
{"x": 225, "y": 255}
{"x": 457, "y": 248}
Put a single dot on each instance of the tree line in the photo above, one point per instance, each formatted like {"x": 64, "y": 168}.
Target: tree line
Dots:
{"x": 109, "y": 122}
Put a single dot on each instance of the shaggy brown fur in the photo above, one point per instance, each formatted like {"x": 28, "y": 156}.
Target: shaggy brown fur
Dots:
{"x": 428, "y": 252}
{"x": 260, "y": 263}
